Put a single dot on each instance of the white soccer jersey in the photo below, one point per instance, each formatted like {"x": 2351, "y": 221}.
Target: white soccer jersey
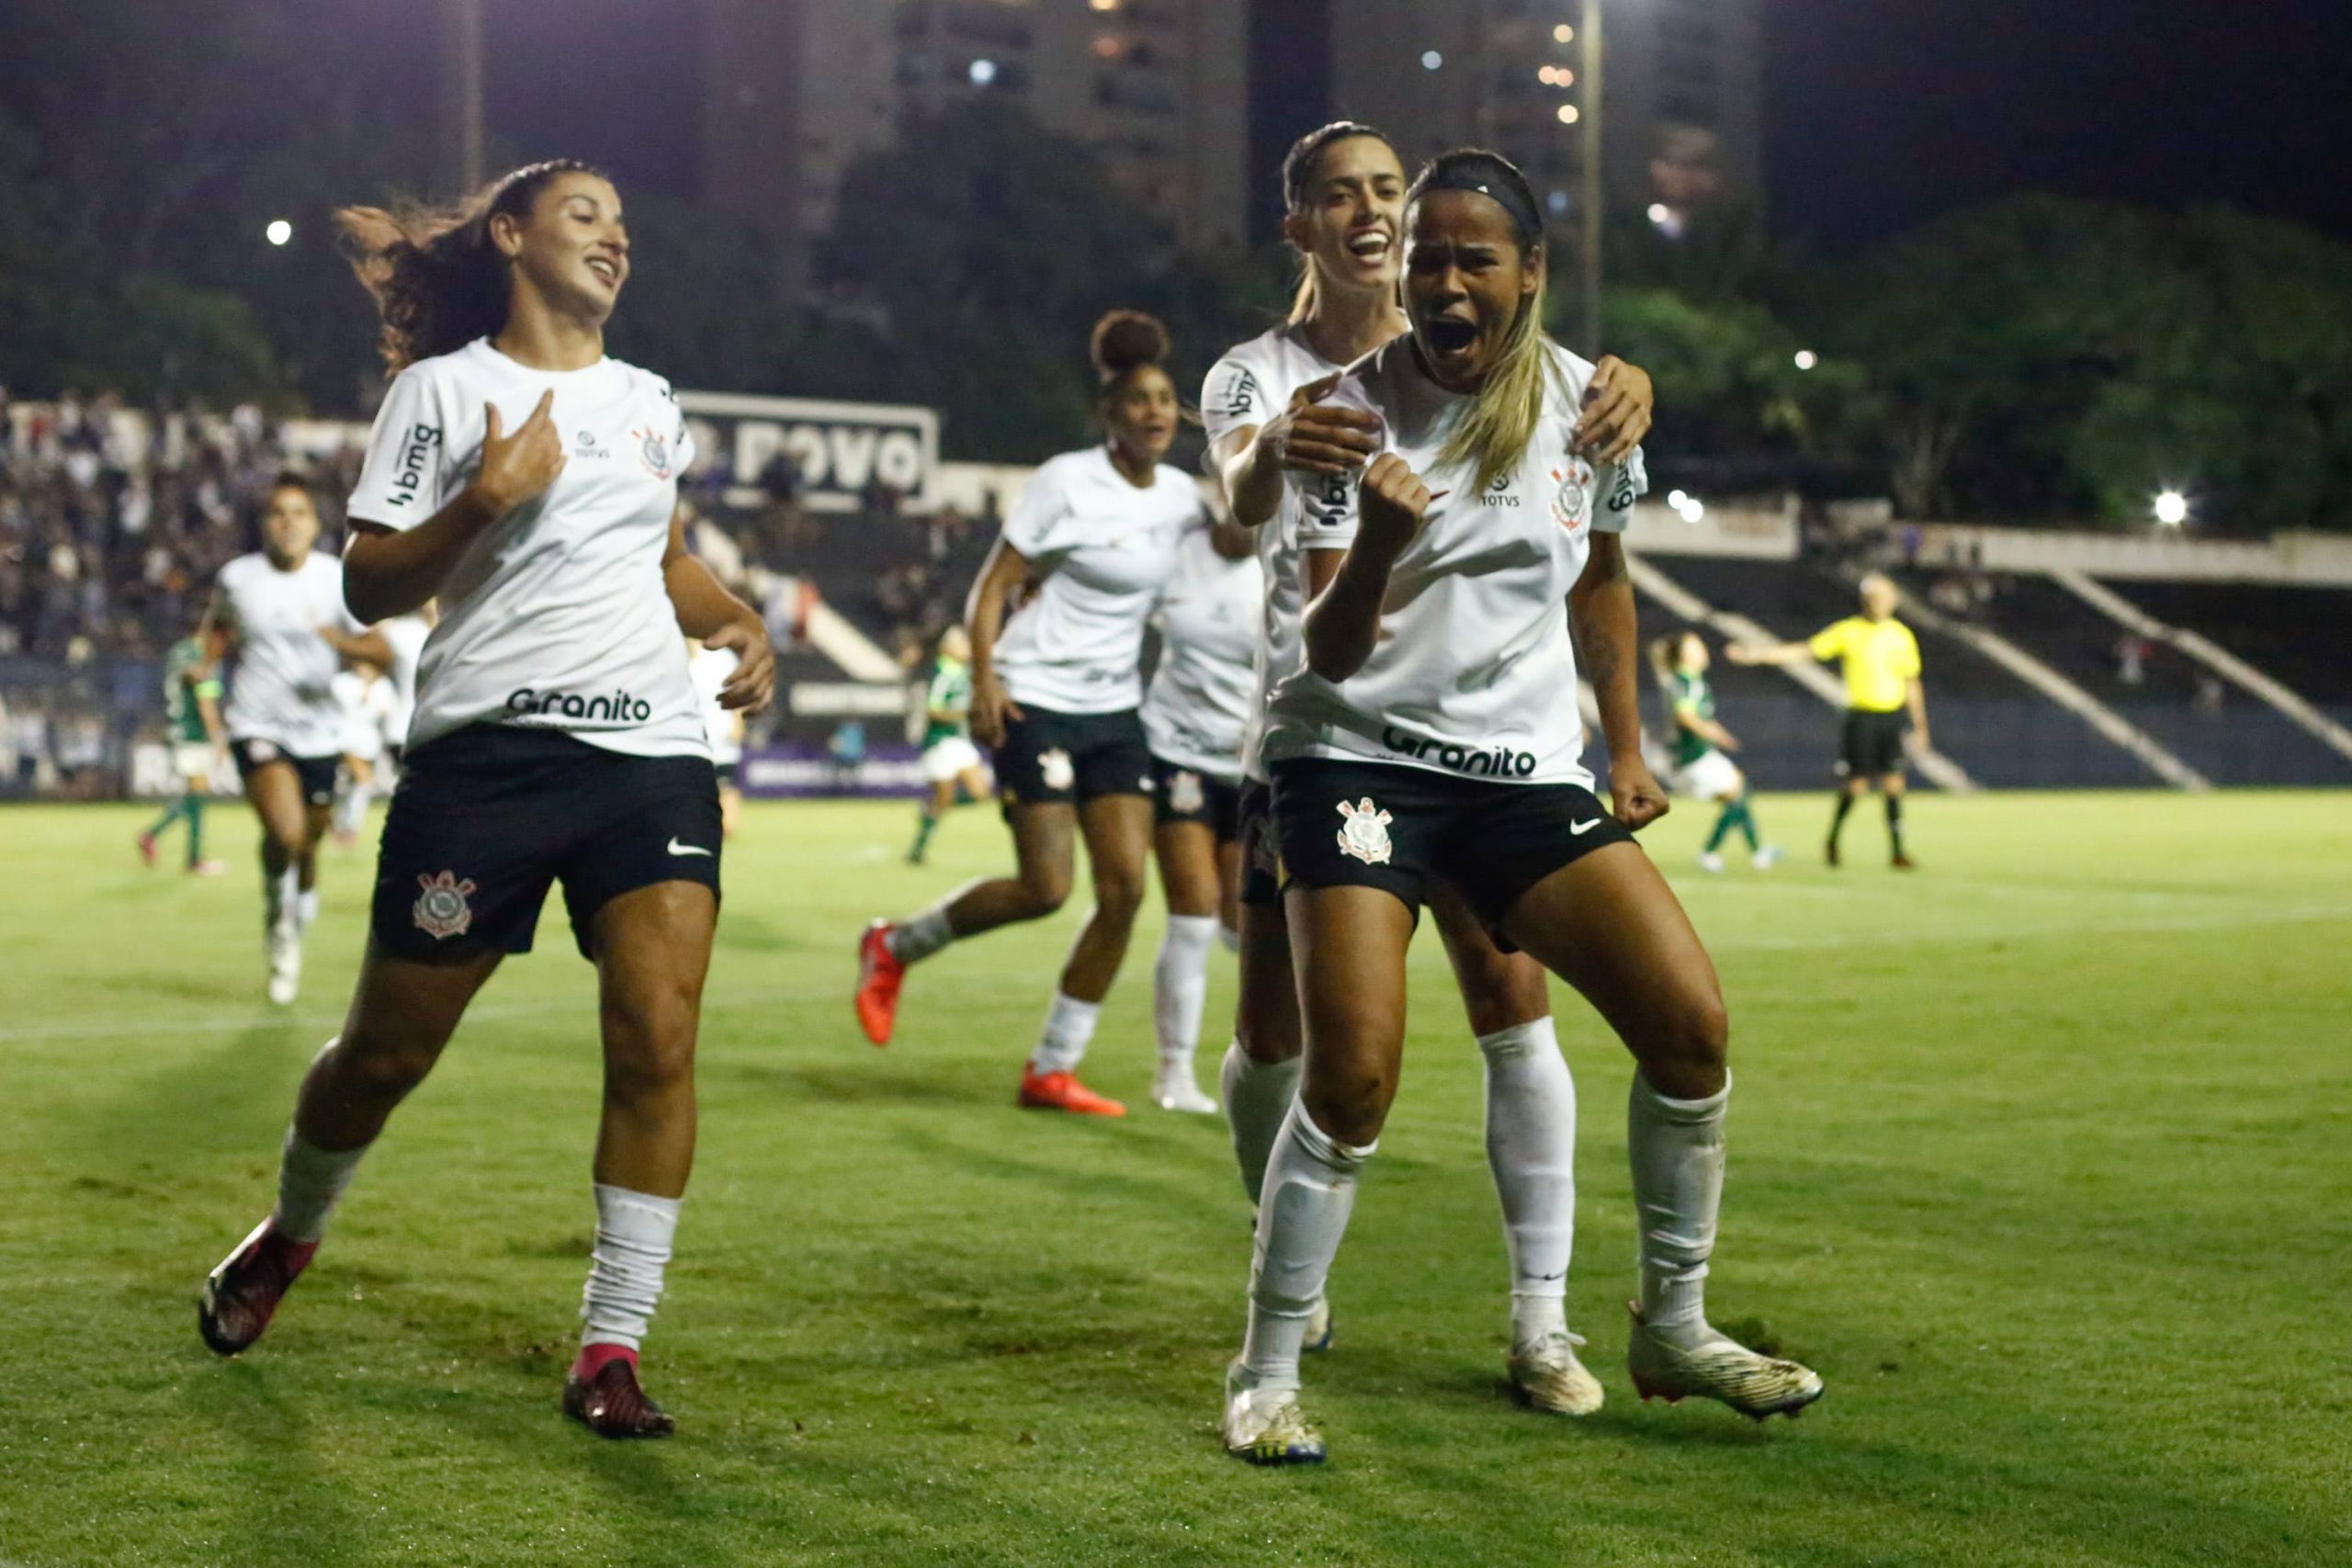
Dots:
{"x": 1102, "y": 549}
{"x": 282, "y": 689}
{"x": 1206, "y": 684}
{"x": 1249, "y": 386}
{"x": 556, "y": 617}
{"x": 407, "y": 634}
{"x": 367, "y": 709}
{"x": 1474, "y": 672}
{"x": 711, "y": 669}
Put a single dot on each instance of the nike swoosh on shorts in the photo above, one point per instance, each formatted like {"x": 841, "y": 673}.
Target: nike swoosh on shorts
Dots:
{"x": 678, "y": 848}
{"x": 1578, "y": 829}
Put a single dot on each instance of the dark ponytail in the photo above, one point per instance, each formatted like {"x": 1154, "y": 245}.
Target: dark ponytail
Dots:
{"x": 437, "y": 280}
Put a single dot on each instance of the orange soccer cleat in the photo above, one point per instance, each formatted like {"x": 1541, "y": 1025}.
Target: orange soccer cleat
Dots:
{"x": 1062, "y": 1092}
{"x": 879, "y": 975}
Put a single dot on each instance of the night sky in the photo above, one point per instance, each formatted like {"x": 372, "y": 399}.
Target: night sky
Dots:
{"x": 1880, "y": 113}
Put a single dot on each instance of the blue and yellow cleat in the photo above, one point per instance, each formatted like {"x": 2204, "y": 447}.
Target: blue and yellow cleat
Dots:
{"x": 1265, "y": 1425}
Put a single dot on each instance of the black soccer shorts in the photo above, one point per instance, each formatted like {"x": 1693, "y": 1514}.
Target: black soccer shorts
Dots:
{"x": 1056, "y": 759}
{"x": 1187, "y": 795}
{"x": 1380, "y": 825}
{"x": 488, "y": 818}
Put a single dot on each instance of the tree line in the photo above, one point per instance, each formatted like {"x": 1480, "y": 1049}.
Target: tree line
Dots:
{"x": 2034, "y": 359}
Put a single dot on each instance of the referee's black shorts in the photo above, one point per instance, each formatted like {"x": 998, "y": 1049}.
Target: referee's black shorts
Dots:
{"x": 1872, "y": 746}
{"x": 487, "y": 819}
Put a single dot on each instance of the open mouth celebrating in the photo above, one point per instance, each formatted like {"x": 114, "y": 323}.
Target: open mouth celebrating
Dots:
{"x": 1448, "y": 335}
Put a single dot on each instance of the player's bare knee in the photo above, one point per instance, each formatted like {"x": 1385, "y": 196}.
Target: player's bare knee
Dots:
{"x": 1688, "y": 1045}
{"x": 1350, "y": 1106}
{"x": 1042, "y": 894}
{"x": 1118, "y": 897}
{"x": 382, "y": 1064}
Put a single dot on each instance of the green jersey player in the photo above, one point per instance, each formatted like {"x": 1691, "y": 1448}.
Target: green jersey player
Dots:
{"x": 192, "y": 710}
{"x": 1702, "y": 768}
{"x": 950, "y": 761}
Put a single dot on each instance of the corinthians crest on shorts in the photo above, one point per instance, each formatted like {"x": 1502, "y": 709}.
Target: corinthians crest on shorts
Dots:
{"x": 1364, "y": 833}
{"x": 1184, "y": 792}
{"x": 442, "y": 909}
{"x": 1054, "y": 768}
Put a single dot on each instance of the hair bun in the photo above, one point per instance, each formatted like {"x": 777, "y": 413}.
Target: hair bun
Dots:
{"x": 1126, "y": 339}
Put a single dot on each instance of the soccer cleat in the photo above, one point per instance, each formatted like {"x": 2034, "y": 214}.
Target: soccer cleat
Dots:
{"x": 611, "y": 1405}
{"x": 1172, "y": 1089}
{"x": 147, "y": 848}
{"x": 879, "y": 975}
{"x": 1709, "y": 860}
{"x": 1319, "y": 1326}
{"x": 241, "y": 1296}
{"x": 1547, "y": 1376}
{"x": 1723, "y": 1368}
{"x": 1767, "y": 857}
{"x": 1265, "y": 1425}
{"x": 285, "y": 945}
{"x": 1902, "y": 862}
{"x": 1062, "y": 1092}
{"x": 1829, "y": 854}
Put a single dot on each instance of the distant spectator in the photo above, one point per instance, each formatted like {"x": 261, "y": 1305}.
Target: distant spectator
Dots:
{"x": 2208, "y": 700}
{"x": 2131, "y": 659}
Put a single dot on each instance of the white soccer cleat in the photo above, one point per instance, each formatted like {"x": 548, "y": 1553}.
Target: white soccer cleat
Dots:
{"x": 1549, "y": 1378}
{"x": 1767, "y": 857}
{"x": 1711, "y": 861}
{"x": 1265, "y": 1425}
{"x": 1172, "y": 1089}
{"x": 285, "y": 945}
{"x": 1319, "y": 1326}
{"x": 1721, "y": 1368}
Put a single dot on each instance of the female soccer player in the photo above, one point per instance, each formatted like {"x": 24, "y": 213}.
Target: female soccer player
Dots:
{"x": 1193, "y": 716}
{"x": 950, "y": 762}
{"x": 1343, "y": 192}
{"x": 283, "y": 607}
{"x": 530, "y": 483}
{"x": 192, "y": 706}
{"x": 1054, "y": 691}
{"x": 1702, "y": 766}
{"x": 1428, "y": 734}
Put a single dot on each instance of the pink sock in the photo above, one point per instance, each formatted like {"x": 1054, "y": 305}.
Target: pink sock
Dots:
{"x": 594, "y": 1359}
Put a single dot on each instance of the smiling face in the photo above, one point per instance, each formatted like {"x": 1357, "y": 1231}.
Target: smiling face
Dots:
{"x": 571, "y": 246}
{"x": 1141, "y": 413}
{"x": 289, "y": 527}
{"x": 1351, "y": 214}
{"x": 1466, "y": 282}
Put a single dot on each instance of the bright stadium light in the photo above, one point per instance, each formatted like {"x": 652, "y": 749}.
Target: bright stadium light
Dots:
{"x": 2171, "y": 509}
{"x": 1570, "y": 114}
{"x": 1661, "y": 214}
{"x": 1678, "y": 499}
{"x": 1564, "y": 34}
{"x": 1431, "y": 59}
{"x": 1807, "y": 359}
{"x": 278, "y": 232}
{"x": 983, "y": 72}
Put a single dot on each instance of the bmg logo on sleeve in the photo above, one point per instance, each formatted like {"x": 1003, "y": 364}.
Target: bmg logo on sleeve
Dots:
{"x": 415, "y": 458}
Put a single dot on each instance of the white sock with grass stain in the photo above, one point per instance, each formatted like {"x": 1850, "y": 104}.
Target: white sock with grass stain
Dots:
{"x": 1677, "y": 1150}
{"x": 1310, "y": 1190}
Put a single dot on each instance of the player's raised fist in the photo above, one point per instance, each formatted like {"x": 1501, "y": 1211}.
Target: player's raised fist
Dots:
{"x": 1315, "y": 437}
{"x": 519, "y": 467}
{"x": 1393, "y": 501}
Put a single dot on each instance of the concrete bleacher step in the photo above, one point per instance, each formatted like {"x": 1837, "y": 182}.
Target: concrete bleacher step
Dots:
{"x": 2214, "y": 657}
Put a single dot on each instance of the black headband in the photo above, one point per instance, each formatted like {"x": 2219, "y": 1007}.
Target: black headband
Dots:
{"x": 1490, "y": 176}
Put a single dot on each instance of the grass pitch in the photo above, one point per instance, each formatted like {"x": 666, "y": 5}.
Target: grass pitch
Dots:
{"x": 2042, "y": 1157}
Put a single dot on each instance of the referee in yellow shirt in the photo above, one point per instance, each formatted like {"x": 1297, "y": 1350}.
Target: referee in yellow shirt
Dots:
{"x": 1880, "y": 663}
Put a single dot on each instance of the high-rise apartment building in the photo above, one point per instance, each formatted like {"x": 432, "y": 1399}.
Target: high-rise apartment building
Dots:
{"x": 797, "y": 89}
{"x": 1681, "y": 80}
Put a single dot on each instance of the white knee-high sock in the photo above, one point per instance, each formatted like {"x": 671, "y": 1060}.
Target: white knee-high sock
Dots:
{"x": 1677, "y": 1149}
{"x": 310, "y": 1182}
{"x": 1069, "y": 1029}
{"x": 1179, "y": 984}
{"x": 633, "y": 1235}
{"x": 1310, "y": 1188}
{"x": 278, "y": 894}
{"x": 1257, "y": 1096}
{"x": 917, "y": 937}
{"x": 1531, "y": 1146}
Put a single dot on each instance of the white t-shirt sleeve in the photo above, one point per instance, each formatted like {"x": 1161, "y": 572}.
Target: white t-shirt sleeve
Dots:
{"x": 1235, "y": 397}
{"x": 1621, "y": 486}
{"x": 400, "y": 483}
{"x": 1328, "y": 510}
{"x": 1032, "y": 525}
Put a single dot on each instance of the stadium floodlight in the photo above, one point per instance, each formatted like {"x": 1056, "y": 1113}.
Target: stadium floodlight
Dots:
{"x": 1661, "y": 214}
{"x": 1807, "y": 359}
{"x": 1678, "y": 499}
{"x": 2171, "y": 509}
{"x": 983, "y": 71}
{"x": 278, "y": 232}
{"x": 1431, "y": 59}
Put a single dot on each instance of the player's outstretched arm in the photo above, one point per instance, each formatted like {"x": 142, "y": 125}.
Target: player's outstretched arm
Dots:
{"x": 1770, "y": 652}
{"x": 1601, "y": 612}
